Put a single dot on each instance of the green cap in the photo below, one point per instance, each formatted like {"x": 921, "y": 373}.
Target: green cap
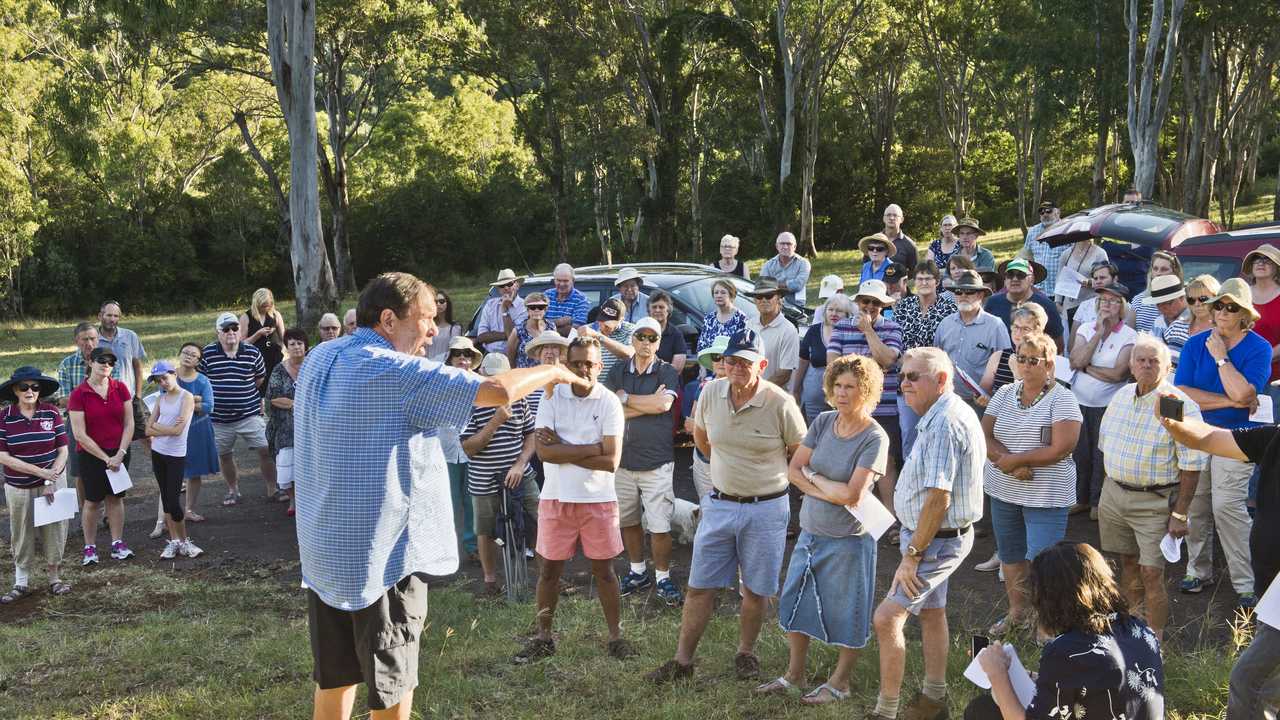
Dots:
{"x": 1018, "y": 264}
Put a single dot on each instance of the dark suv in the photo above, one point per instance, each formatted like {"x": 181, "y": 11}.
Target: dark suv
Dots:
{"x": 688, "y": 284}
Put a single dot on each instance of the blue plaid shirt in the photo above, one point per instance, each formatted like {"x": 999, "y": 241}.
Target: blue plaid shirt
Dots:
{"x": 948, "y": 455}
{"x": 373, "y": 503}
{"x": 1049, "y": 257}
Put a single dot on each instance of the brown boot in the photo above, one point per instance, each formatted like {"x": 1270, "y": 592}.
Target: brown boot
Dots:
{"x": 926, "y": 708}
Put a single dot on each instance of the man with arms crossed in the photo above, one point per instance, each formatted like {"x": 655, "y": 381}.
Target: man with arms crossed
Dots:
{"x": 374, "y": 515}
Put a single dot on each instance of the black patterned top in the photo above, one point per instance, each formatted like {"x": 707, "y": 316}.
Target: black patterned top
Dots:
{"x": 1101, "y": 677}
{"x": 918, "y": 327}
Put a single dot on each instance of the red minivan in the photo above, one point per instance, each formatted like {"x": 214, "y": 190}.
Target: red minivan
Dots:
{"x": 1220, "y": 254}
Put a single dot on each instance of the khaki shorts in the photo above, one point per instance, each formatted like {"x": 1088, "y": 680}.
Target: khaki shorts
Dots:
{"x": 649, "y": 493}
{"x": 485, "y": 507}
{"x": 252, "y": 429}
{"x": 1133, "y": 522}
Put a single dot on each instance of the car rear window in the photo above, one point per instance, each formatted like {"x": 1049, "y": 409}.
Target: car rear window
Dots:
{"x": 1222, "y": 268}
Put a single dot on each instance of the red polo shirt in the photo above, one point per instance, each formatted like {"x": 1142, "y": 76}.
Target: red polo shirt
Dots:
{"x": 103, "y": 417}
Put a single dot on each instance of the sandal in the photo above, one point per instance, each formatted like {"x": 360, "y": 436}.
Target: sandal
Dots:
{"x": 1005, "y": 625}
{"x": 777, "y": 686}
{"x": 281, "y": 496}
{"x": 17, "y": 593}
{"x": 192, "y": 516}
{"x": 231, "y": 498}
{"x": 824, "y": 694}
{"x": 57, "y": 587}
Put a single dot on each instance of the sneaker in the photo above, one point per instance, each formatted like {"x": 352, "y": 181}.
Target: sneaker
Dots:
{"x": 190, "y": 549}
{"x": 171, "y": 549}
{"x": 528, "y": 553}
{"x": 669, "y": 593}
{"x": 746, "y": 666}
{"x": 925, "y": 708}
{"x": 90, "y": 555}
{"x": 534, "y": 650}
{"x": 1247, "y": 602}
{"x": 992, "y": 564}
{"x": 634, "y": 582}
{"x": 670, "y": 671}
{"x": 1193, "y": 585}
{"x": 120, "y": 551}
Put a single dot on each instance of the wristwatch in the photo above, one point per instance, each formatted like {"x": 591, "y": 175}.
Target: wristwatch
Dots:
{"x": 913, "y": 552}
{"x": 1223, "y": 361}
{"x": 1178, "y": 516}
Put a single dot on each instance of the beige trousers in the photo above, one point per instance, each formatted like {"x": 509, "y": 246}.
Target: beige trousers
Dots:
{"x": 23, "y": 530}
{"x": 1220, "y": 501}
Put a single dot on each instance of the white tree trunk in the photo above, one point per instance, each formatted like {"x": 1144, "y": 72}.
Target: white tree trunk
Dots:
{"x": 788, "y": 94}
{"x": 291, "y": 36}
{"x": 1146, "y": 116}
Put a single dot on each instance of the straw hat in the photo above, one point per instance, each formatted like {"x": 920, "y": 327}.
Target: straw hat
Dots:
{"x": 1236, "y": 290}
{"x": 880, "y": 238}
{"x": 546, "y": 337}
{"x": 506, "y": 275}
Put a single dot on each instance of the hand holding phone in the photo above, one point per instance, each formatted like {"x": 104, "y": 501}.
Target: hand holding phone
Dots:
{"x": 1171, "y": 408}
{"x": 977, "y": 643}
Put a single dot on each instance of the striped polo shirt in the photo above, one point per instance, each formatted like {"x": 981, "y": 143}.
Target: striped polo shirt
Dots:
{"x": 576, "y": 306}
{"x": 234, "y": 380}
{"x": 35, "y": 441}
{"x": 487, "y": 468}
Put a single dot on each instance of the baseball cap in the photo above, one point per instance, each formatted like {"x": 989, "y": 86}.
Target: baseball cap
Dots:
{"x": 494, "y": 364}
{"x": 99, "y": 352}
{"x": 162, "y": 367}
{"x": 831, "y": 284}
{"x": 648, "y": 324}
{"x": 611, "y": 309}
{"x": 223, "y": 319}
{"x": 745, "y": 344}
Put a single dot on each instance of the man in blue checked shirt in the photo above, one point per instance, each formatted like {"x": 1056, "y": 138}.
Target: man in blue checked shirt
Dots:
{"x": 374, "y": 513}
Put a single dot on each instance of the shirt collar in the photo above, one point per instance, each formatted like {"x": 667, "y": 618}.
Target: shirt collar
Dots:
{"x": 648, "y": 371}
{"x": 369, "y": 336}
{"x": 941, "y": 406}
{"x": 756, "y": 400}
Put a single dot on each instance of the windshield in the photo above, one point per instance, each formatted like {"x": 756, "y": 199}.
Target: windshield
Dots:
{"x": 1222, "y": 268}
{"x": 697, "y": 295}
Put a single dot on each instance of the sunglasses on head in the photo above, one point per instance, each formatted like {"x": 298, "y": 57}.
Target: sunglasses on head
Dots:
{"x": 1029, "y": 360}
{"x": 1221, "y": 306}
{"x": 231, "y": 327}
{"x": 108, "y": 360}
{"x": 645, "y": 337}
{"x": 1193, "y": 300}
{"x": 27, "y": 387}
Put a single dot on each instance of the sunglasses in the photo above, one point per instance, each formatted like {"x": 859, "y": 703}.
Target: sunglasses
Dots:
{"x": 1227, "y": 307}
{"x": 913, "y": 376}
{"x": 760, "y": 298}
{"x": 737, "y": 361}
{"x": 233, "y": 327}
{"x": 442, "y": 301}
{"x": 1032, "y": 361}
{"x": 870, "y": 303}
{"x": 1196, "y": 300}
{"x": 531, "y": 308}
{"x": 504, "y": 286}
{"x": 460, "y": 353}
{"x": 1016, "y": 275}
{"x": 27, "y": 387}
{"x": 106, "y": 361}
{"x": 967, "y": 293}
{"x": 582, "y": 363}
{"x": 1046, "y": 211}
{"x": 876, "y": 248}
{"x": 716, "y": 358}
{"x": 645, "y": 337}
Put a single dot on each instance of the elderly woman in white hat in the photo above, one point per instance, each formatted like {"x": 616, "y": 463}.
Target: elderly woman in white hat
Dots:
{"x": 728, "y": 261}
{"x": 33, "y": 457}
{"x": 636, "y": 303}
{"x": 463, "y": 355}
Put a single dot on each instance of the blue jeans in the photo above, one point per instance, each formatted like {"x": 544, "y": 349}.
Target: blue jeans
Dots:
{"x": 1022, "y": 532}
{"x": 464, "y": 522}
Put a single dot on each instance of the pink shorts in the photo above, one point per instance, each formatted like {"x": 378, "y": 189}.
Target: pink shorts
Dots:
{"x": 562, "y": 525}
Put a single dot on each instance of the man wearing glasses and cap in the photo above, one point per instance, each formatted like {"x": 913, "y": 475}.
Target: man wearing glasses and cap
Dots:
{"x": 1041, "y": 252}
{"x": 1019, "y": 278}
{"x": 971, "y": 335}
{"x": 779, "y": 336}
{"x": 502, "y": 313}
{"x": 236, "y": 372}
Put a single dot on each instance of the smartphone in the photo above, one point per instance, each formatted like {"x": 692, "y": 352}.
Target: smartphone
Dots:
{"x": 1171, "y": 407}
{"x": 977, "y": 643}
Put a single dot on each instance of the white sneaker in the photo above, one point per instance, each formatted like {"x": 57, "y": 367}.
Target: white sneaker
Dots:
{"x": 191, "y": 550}
{"x": 171, "y": 549}
{"x": 990, "y": 565}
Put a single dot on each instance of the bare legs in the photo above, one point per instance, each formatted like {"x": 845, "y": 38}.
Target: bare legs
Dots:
{"x": 93, "y": 512}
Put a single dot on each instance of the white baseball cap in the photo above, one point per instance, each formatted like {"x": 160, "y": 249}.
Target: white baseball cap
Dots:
{"x": 831, "y": 284}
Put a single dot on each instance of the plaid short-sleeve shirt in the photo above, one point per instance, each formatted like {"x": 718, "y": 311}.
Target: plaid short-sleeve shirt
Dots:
{"x": 373, "y": 502}
{"x": 949, "y": 453}
{"x": 1136, "y": 449}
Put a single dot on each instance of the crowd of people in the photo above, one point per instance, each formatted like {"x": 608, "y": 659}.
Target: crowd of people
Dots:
{"x": 966, "y": 396}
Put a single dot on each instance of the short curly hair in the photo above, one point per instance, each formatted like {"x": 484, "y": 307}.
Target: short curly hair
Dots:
{"x": 866, "y": 373}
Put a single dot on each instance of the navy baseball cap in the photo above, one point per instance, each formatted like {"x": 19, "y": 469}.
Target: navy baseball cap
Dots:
{"x": 745, "y": 344}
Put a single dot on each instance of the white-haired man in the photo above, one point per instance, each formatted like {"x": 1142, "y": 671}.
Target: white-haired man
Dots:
{"x": 938, "y": 498}
{"x": 569, "y": 306}
{"x": 349, "y": 322}
{"x": 789, "y": 269}
{"x": 329, "y": 327}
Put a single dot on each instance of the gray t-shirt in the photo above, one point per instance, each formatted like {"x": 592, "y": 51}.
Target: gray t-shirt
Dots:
{"x": 648, "y": 442}
{"x": 970, "y": 346}
{"x": 127, "y": 348}
{"x": 835, "y": 458}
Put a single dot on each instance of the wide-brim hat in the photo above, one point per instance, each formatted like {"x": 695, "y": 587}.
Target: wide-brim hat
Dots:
{"x": 465, "y": 344}
{"x": 765, "y": 285}
{"x": 716, "y": 347}
{"x": 971, "y": 223}
{"x": 876, "y": 290}
{"x": 28, "y": 373}
{"x": 880, "y": 238}
{"x": 970, "y": 280}
{"x": 628, "y": 273}
{"x": 1236, "y": 290}
{"x": 546, "y": 337}
{"x": 1163, "y": 289}
{"x": 1030, "y": 267}
{"x": 1267, "y": 251}
{"x": 506, "y": 275}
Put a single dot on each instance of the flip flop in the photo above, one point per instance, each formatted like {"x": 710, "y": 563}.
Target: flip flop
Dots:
{"x": 824, "y": 694}
{"x": 777, "y": 686}
{"x": 17, "y": 593}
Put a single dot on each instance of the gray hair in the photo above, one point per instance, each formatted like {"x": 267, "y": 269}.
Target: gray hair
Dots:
{"x": 894, "y": 206}
{"x": 328, "y": 316}
{"x": 730, "y": 239}
{"x": 840, "y": 302}
{"x": 947, "y": 217}
{"x": 785, "y": 235}
{"x": 563, "y": 268}
{"x": 936, "y": 361}
{"x": 83, "y": 327}
{"x": 1149, "y": 341}
{"x": 1033, "y": 311}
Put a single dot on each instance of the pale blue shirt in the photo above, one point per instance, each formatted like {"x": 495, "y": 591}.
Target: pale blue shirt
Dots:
{"x": 638, "y": 311}
{"x": 793, "y": 277}
{"x": 373, "y": 501}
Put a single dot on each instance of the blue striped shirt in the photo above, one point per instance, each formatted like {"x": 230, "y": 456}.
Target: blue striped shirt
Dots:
{"x": 235, "y": 381}
{"x": 576, "y": 306}
{"x": 35, "y": 441}
{"x": 373, "y": 501}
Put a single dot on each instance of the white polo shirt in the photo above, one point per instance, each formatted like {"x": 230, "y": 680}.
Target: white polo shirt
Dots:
{"x": 580, "y": 421}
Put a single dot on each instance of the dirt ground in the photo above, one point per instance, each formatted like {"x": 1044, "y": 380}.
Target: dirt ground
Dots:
{"x": 257, "y": 538}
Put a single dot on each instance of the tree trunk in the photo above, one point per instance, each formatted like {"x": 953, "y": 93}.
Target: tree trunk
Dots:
{"x": 603, "y": 234}
{"x": 335, "y": 172}
{"x": 291, "y": 36}
{"x": 283, "y": 227}
{"x": 1146, "y": 115}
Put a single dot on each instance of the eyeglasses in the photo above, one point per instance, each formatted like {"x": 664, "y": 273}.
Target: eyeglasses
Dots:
{"x": 1015, "y": 275}
{"x": 1111, "y": 300}
{"x": 737, "y": 362}
{"x": 106, "y": 361}
{"x": 1032, "y": 361}
{"x": 876, "y": 248}
{"x": 27, "y": 387}
{"x": 1221, "y": 306}
{"x": 1046, "y": 211}
{"x": 645, "y": 337}
{"x": 1201, "y": 299}
{"x": 329, "y": 327}
{"x": 233, "y": 327}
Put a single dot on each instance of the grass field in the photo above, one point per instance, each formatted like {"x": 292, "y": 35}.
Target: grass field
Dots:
{"x": 135, "y": 642}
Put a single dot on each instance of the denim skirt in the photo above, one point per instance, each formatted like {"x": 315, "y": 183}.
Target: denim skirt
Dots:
{"x": 830, "y": 589}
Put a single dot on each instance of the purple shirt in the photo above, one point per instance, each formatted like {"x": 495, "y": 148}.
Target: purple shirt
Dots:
{"x": 847, "y": 339}
{"x": 35, "y": 441}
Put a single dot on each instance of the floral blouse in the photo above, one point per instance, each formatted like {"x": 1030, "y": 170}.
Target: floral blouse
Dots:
{"x": 918, "y": 327}
{"x": 280, "y": 421}
{"x": 712, "y": 328}
{"x": 1116, "y": 676}
{"x": 940, "y": 258}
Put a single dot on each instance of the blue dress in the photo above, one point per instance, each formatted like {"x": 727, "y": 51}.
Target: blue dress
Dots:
{"x": 202, "y": 454}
